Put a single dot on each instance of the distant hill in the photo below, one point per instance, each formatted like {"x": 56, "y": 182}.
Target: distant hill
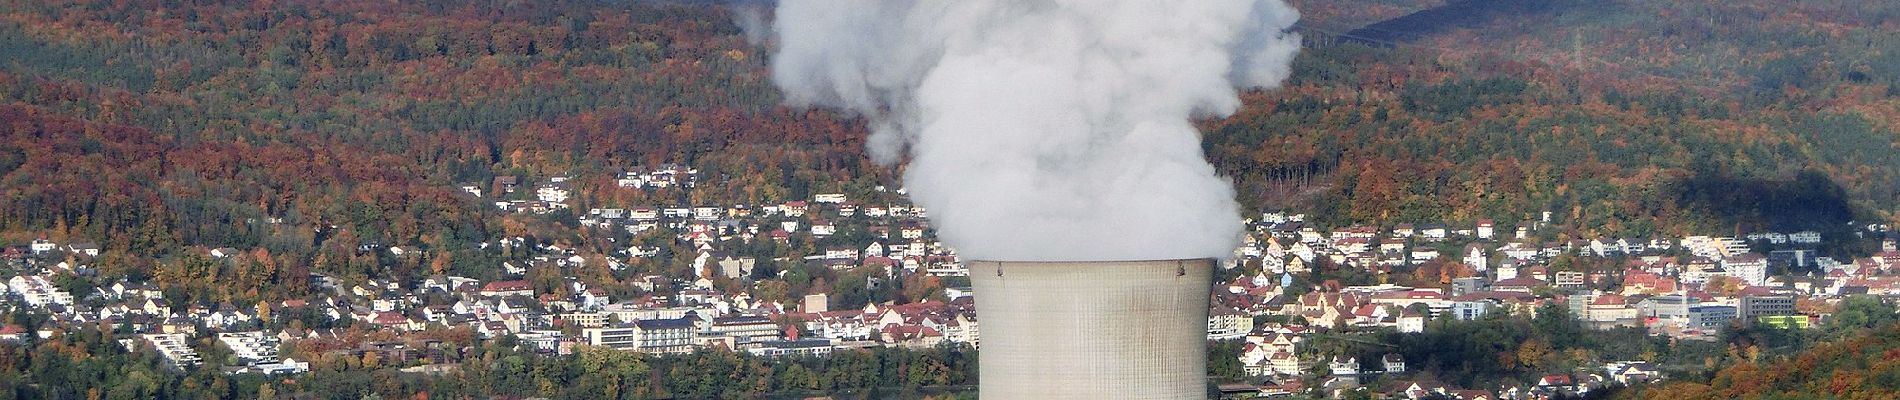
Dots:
{"x": 1620, "y": 117}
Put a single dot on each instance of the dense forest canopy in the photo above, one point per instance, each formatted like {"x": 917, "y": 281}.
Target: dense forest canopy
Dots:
{"x": 1597, "y": 111}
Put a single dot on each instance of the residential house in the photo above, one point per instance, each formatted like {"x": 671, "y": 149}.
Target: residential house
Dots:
{"x": 224, "y": 252}
{"x": 832, "y": 198}
{"x": 1394, "y": 363}
{"x": 912, "y": 336}
{"x": 706, "y": 213}
{"x": 1632, "y": 372}
{"x": 1557, "y": 383}
{"x": 1344, "y": 366}
{"x": 553, "y": 192}
{"x": 507, "y": 183}
{"x": 41, "y": 246}
{"x": 88, "y": 249}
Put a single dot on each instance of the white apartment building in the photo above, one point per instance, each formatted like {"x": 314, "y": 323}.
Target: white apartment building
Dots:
{"x": 252, "y": 347}
{"x": 1752, "y": 268}
{"x": 38, "y": 291}
{"x": 659, "y": 336}
{"x": 176, "y": 348}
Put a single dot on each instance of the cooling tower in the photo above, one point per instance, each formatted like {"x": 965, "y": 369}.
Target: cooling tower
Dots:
{"x": 1092, "y": 330}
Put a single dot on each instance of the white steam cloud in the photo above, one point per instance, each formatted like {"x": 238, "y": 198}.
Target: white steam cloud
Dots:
{"x": 1045, "y": 129}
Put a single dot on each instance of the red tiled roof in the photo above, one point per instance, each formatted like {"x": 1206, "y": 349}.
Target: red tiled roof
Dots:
{"x": 1556, "y": 379}
{"x": 499, "y": 286}
{"x": 390, "y": 318}
{"x": 904, "y": 332}
{"x": 1610, "y": 300}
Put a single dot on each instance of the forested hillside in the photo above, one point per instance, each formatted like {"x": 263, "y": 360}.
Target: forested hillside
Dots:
{"x": 1612, "y": 115}
{"x": 307, "y": 128}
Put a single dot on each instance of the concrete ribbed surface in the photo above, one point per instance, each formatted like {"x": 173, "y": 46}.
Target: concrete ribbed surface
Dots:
{"x": 1092, "y": 330}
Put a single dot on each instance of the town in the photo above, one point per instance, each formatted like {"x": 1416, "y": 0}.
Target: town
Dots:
{"x": 1288, "y": 282}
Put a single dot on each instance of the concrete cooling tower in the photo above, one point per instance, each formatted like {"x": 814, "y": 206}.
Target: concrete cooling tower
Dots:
{"x": 1092, "y": 330}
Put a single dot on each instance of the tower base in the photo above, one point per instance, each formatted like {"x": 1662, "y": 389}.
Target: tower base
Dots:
{"x": 1092, "y": 330}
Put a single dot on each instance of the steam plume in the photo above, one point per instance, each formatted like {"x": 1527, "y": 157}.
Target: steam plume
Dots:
{"x": 1045, "y": 129}
{"x": 750, "y": 16}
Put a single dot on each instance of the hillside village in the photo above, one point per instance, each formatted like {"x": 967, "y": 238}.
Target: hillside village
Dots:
{"x": 1687, "y": 288}
{"x": 1287, "y": 282}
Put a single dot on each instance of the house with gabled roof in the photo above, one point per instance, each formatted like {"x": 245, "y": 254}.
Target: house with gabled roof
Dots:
{"x": 911, "y": 336}
{"x": 89, "y": 249}
{"x": 1393, "y": 363}
{"x": 1556, "y": 382}
{"x": 1433, "y": 232}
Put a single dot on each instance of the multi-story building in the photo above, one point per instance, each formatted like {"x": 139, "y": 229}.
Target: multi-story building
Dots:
{"x": 252, "y": 347}
{"x": 1461, "y": 286}
{"x": 745, "y": 329}
{"x": 793, "y": 348}
{"x": 1567, "y": 279}
{"x": 585, "y": 319}
{"x": 553, "y": 192}
{"x": 1751, "y": 307}
{"x": 1751, "y": 268}
{"x": 175, "y": 347}
{"x": 626, "y": 312}
{"x": 665, "y": 336}
{"x": 660, "y": 336}
{"x": 619, "y": 336}
{"x": 1469, "y": 310}
{"x": 1667, "y": 307}
{"x": 1286, "y": 363}
{"x": 1711, "y": 318}
{"x": 37, "y": 291}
